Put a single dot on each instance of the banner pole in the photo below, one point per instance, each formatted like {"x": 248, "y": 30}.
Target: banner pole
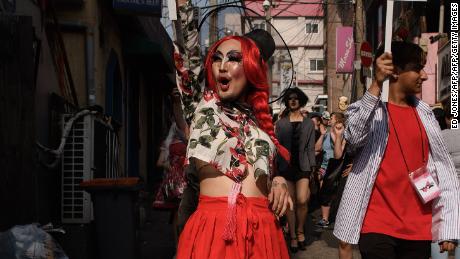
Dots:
{"x": 388, "y": 38}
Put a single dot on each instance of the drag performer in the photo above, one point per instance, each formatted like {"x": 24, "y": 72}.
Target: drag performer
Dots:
{"x": 231, "y": 147}
{"x": 297, "y": 134}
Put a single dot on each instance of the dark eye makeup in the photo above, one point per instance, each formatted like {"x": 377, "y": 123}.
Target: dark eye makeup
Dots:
{"x": 216, "y": 57}
{"x": 232, "y": 56}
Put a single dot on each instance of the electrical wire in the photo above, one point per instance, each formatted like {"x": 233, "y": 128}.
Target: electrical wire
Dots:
{"x": 307, "y": 38}
{"x": 302, "y": 57}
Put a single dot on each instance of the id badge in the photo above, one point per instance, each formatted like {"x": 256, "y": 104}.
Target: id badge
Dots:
{"x": 427, "y": 189}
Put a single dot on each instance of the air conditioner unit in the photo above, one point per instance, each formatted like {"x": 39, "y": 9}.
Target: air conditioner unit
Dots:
{"x": 91, "y": 151}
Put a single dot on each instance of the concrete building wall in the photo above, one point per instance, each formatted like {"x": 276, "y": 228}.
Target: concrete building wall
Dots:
{"x": 304, "y": 47}
{"x": 428, "y": 94}
{"x": 290, "y": 21}
{"x": 286, "y": 9}
{"x": 94, "y": 16}
{"x": 301, "y": 58}
{"x": 293, "y": 31}
{"x": 75, "y": 48}
{"x": 100, "y": 32}
{"x": 46, "y": 75}
{"x": 232, "y": 21}
{"x": 306, "y": 72}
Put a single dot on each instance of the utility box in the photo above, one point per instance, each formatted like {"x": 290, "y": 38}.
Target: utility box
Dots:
{"x": 115, "y": 214}
{"x": 91, "y": 151}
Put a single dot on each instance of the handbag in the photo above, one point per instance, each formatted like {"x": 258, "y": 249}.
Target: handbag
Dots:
{"x": 331, "y": 179}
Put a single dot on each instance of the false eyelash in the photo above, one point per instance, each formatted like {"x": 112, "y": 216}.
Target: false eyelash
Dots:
{"x": 236, "y": 57}
{"x": 216, "y": 57}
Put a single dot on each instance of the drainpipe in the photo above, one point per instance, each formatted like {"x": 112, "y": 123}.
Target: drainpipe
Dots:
{"x": 89, "y": 55}
{"x": 441, "y": 16}
{"x": 90, "y": 79}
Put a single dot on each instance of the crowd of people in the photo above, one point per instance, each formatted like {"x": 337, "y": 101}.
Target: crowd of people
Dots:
{"x": 234, "y": 176}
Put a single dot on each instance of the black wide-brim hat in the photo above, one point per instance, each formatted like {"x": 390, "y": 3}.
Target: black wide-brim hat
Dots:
{"x": 303, "y": 98}
{"x": 264, "y": 41}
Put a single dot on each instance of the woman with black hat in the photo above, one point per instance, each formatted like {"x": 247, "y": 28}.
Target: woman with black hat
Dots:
{"x": 297, "y": 134}
{"x": 232, "y": 147}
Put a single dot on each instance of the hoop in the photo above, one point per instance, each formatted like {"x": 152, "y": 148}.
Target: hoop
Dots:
{"x": 222, "y": 7}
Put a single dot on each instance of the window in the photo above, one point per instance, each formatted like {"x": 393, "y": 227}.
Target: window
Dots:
{"x": 311, "y": 28}
{"x": 322, "y": 102}
{"x": 259, "y": 26}
{"x": 316, "y": 65}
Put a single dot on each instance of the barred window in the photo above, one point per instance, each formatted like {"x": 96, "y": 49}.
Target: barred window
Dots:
{"x": 316, "y": 64}
{"x": 311, "y": 28}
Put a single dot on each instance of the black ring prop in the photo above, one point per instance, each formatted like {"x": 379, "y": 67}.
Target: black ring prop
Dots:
{"x": 219, "y": 8}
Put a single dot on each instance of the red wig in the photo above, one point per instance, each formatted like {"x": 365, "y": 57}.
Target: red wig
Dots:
{"x": 256, "y": 91}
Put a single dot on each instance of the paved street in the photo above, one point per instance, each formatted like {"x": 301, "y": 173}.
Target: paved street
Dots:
{"x": 325, "y": 247}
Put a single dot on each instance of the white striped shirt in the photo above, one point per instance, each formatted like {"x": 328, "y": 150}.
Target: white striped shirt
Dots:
{"x": 367, "y": 135}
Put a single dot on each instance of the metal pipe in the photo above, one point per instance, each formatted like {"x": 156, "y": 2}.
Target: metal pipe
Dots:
{"x": 441, "y": 16}
{"x": 89, "y": 55}
{"x": 90, "y": 80}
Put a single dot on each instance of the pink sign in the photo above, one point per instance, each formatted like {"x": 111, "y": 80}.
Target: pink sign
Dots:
{"x": 345, "y": 51}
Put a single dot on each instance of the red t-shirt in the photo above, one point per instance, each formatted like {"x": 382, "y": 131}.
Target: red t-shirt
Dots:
{"x": 394, "y": 207}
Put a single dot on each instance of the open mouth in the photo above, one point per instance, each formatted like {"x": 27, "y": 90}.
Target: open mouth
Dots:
{"x": 224, "y": 83}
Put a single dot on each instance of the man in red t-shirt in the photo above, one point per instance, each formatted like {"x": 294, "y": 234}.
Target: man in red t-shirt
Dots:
{"x": 394, "y": 140}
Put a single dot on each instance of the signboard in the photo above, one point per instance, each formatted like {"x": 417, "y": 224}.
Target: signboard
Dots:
{"x": 345, "y": 51}
{"x": 443, "y": 71}
{"x": 285, "y": 75}
{"x": 138, "y": 7}
{"x": 366, "y": 54}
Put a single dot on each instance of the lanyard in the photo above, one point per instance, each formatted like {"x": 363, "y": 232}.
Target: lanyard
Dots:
{"x": 399, "y": 143}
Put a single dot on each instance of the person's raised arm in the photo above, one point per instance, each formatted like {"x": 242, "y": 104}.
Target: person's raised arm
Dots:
{"x": 187, "y": 59}
{"x": 339, "y": 141}
{"x": 361, "y": 113}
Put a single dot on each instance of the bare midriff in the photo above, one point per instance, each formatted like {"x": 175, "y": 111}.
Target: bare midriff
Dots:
{"x": 215, "y": 184}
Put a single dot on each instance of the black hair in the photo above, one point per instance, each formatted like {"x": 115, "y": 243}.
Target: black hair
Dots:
{"x": 312, "y": 115}
{"x": 406, "y": 55}
{"x": 303, "y": 98}
{"x": 275, "y": 117}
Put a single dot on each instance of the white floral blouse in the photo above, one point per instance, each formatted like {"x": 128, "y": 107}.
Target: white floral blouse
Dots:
{"x": 224, "y": 136}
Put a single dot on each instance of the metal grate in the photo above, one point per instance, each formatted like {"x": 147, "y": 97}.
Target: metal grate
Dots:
{"x": 76, "y": 203}
{"x": 91, "y": 151}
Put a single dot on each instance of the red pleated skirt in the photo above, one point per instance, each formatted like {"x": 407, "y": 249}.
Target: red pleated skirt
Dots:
{"x": 258, "y": 234}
